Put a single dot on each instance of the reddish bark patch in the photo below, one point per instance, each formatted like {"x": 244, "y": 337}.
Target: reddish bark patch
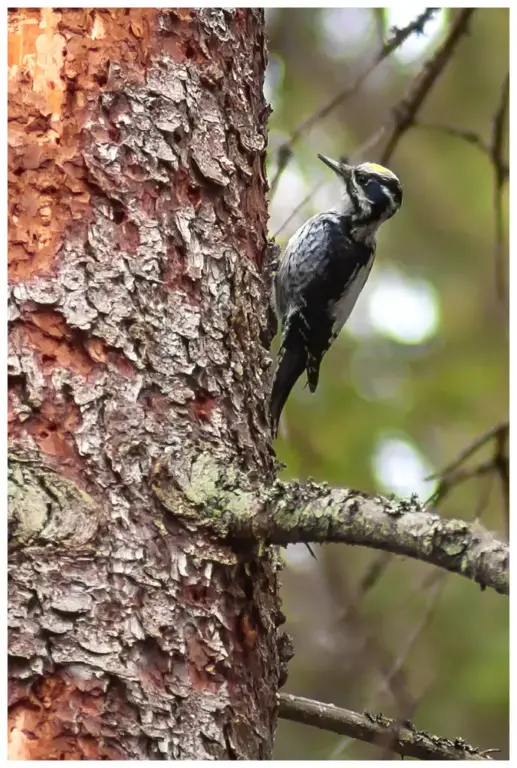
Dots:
{"x": 58, "y": 719}
{"x": 252, "y": 203}
{"x": 101, "y": 353}
{"x": 128, "y": 237}
{"x": 247, "y": 632}
{"x": 50, "y": 323}
{"x": 201, "y": 668}
{"x": 177, "y": 39}
{"x": 97, "y": 350}
{"x": 196, "y": 594}
{"x": 185, "y": 191}
{"x": 58, "y": 63}
{"x": 12, "y": 417}
{"x": 53, "y": 428}
{"x": 57, "y": 345}
{"x": 148, "y": 199}
{"x": 53, "y": 351}
{"x": 201, "y": 408}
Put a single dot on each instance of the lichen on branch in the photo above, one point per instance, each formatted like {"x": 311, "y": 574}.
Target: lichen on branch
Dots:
{"x": 219, "y": 496}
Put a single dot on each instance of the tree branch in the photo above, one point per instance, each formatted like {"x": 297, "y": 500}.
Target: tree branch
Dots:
{"x": 228, "y": 501}
{"x": 398, "y": 37}
{"x": 498, "y": 164}
{"x": 455, "y": 473}
{"x": 471, "y": 137}
{"x": 403, "y": 739}
{"x": 405, "y": 111}
{"x": 453, "y": 479}
{"x": 494, "y": 432}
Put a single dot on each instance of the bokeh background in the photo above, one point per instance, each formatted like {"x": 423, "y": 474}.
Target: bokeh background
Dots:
{"x": 419, "y": 372}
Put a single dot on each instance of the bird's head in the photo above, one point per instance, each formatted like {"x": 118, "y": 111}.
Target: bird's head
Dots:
{"x": 373, "y": 193}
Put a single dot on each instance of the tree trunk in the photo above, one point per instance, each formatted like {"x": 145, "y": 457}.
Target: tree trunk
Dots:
{"x": 138, "y": 337}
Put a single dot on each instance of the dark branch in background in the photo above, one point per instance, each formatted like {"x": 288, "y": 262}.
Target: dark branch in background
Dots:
{"x": 405, "y": 112}
{"x": 502, "y": 465}
{"x": 373, "y": 573}
{"x": 496, "y": 153}
{"x": 405, "y": 740}
{"x": 227, "y": 501}
{"x": 471, "y": 137}
{"x": 473, "y": 447}
{"x": 458, "y": 476}
{"x": 399, "y": 36}
{"x": 455, "y": 473}
{"x": 501, "y": 171}
{"x": 406, "y": 705}
{"x": 408, "y": 712}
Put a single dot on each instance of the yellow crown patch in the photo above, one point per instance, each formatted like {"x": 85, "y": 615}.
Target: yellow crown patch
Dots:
{"x": 378, "y": 169}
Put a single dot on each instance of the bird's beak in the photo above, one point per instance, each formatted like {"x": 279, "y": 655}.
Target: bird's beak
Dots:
{"x": 339, "y": 168}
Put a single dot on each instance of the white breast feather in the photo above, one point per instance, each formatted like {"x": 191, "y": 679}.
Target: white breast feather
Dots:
{"x": 344, "y": 307}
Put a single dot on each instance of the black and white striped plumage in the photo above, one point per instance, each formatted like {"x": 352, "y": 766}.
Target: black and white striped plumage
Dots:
{"x": 324, "y": 268}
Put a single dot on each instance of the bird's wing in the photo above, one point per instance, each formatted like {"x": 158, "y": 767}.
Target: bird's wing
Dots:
{"x": 325, "y": 271}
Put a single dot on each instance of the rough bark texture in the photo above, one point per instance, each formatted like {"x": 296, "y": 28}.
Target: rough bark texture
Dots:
{"x": 137, "y": 233}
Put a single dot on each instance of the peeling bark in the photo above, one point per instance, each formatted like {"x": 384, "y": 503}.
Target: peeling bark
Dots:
{"x": 138, "y": 328}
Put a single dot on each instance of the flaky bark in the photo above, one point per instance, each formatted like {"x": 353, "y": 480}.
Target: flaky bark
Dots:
{"x": 138, "y": 327}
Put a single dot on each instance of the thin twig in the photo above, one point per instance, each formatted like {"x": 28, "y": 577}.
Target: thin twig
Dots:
{"x": 393, "y": 682}
{"x": 496, "y": 153}
{"x": 407, "y": 703}
{"x": 472, "y": 448}
{"x": 471, "y": 137}
{"x": 371, "y": 728}
{"x": 454, "y": 474}
{"x": 405, "y": 111}
{"x": 501, "y": 463}
{"x": 398, "y": 37}
{"x": 299, "y": 207}
{"x": 451, "y": 480}
{"x": 418, "y": 630}
{"x": 373, "y": 573}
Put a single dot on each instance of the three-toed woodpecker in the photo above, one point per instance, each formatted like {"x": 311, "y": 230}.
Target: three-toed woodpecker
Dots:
{"x": 324, "y": 268}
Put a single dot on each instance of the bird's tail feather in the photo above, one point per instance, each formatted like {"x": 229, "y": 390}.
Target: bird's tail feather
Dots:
{"x": 291, "y": 365}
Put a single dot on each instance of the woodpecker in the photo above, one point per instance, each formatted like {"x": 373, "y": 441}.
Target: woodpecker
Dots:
{"x": 324, "y": 268}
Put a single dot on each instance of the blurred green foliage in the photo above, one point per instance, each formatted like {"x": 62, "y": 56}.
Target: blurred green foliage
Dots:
{"x": 438, "y": 395}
